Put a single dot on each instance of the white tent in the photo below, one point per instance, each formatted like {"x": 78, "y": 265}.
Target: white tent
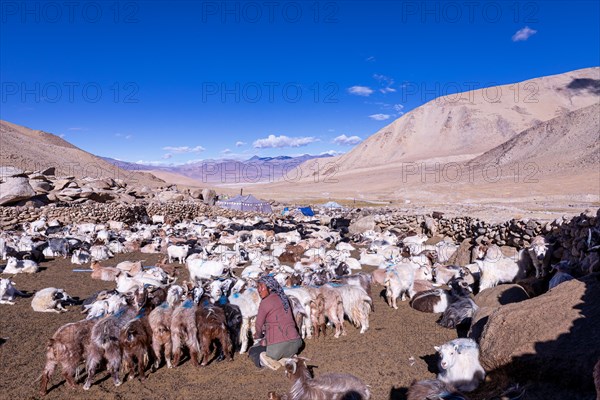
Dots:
{"x": 246, "y": 203}
{"x": 332, "y": 204}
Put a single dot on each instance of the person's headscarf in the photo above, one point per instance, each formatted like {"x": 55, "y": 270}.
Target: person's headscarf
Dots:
{"x": 274, "y": 287}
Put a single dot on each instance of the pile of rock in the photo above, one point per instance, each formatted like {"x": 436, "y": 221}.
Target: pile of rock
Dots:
{"x": 39, "y": 188}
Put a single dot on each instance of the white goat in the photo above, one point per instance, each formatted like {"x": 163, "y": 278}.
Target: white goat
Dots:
{"x": 248, "y": 302}
{"x": 537, "y": 251}
{"x": 178, "y": 252}
{"x": 459, "y": 364}
{"x": 80, "y": 257}
{"x": 398, "y": 281}
{"x": 8, "y": 292}
{"x": 14, "y": 266}
{"x": 50, "y": 300}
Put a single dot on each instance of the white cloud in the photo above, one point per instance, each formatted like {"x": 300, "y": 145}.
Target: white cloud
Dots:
{"x": 398, "y": 108}
{"x": 128, "y": 137}
{"x": 283, "y": 141}
{"x": 154, "y": 163}
{"x": 360, "y": 90}
{"x": 167, "y": 156}
{"x": 226, "y": 151}
{"x": 386, "y": 82}
{"x": 331, "y": 153}
{"x": 347, "y": 140}
{"x": 184, "y": 149}
{"x": 379, "y": 117}
{"x": 62, "y": 135}
{"x": 523, "y": 34}
{"x": 370, "y": 59}
{"x": 239, "y": 144}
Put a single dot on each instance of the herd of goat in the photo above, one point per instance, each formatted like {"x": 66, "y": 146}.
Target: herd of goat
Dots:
{"x": 149, "y": 319}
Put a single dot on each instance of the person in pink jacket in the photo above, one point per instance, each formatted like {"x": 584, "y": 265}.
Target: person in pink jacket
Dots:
{"x": 276, "y": 332}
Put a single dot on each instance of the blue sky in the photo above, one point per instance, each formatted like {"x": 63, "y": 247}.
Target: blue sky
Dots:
{"x": 178, "y": 81}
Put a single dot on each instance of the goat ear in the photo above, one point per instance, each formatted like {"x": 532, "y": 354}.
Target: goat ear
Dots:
{"x": 456, "y": 348}
{"x": 437, "y": 348}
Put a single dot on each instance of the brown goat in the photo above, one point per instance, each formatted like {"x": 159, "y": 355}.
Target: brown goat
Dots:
{"x": 317, "y": 314}
{"x": 334, "y": 309}
{"x": 67, "y": 348}
{"x": 212, "y": 326}
{"x": 108, "y": 274}
{"x": 184, "y": 329}
{"x": 104, "y": 342}
{"x": 136, "y": 340}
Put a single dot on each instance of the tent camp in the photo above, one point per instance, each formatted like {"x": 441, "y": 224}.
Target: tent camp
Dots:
{"x": 246, "y": 203}
{"x": 331, "y": 204}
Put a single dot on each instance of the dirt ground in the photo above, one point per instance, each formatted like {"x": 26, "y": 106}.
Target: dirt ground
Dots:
{"x": 397, "y": 349}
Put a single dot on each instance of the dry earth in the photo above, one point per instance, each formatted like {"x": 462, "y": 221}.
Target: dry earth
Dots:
{"x": 381, "y": 357}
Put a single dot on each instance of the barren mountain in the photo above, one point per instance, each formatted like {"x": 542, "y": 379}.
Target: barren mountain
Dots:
{"x": 36, "y": 150}
{"x": 225, "y": 171}
{"x": 475, "y": 121}
{"x": 571, "y": 141}
{"x": 542, "y": 154}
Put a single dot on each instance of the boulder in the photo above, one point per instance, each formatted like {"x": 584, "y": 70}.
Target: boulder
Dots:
{"x": 553, "y": 337}
{"x": 501, "y": 295}
{"x": 11, "y": 172}
{"x": 49, "y": 171}
{"x": 478, "y": 322}
{"x": 15, "y": 188}
{"x": 41, "y": 186}
{"x": 170, "y": 196}
{"x": 462, "y": 256}
{"x": 363, "y": 224}
{"x": 196, "y": 194}
{"x": 209, "y": 197}
{"x": 61, "y": 183}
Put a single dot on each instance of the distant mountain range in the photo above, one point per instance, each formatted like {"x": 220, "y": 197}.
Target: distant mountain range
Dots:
{"x": 227, "y": 171}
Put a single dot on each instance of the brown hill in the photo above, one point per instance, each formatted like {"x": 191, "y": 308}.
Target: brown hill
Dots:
{"x": 36, "y": 150}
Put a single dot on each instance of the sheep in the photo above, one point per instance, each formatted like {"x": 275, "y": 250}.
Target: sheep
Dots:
{"x": 14, "y": 266}
{"x": 537, "y": 251}
{"x": 51, "y": 300}
{"x": 104, "y": 340}
{"x": 562, "y": 274}
{"x": 335, "y": 386}
{"x": 160, "y": 325}
{"x": 459, "y": 311}
{"x": 459, "y": 364}
{"x": 398, "y": 281}
{"x": 67, "y": 348}
{"x": 432, "y": 389}
{"x": 8, "y": 292}
{"x": 178, "y": 252}
{"x": 80, "y": 257}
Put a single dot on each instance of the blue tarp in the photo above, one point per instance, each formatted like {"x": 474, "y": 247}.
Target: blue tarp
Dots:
{"x": 307, "y": 211}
